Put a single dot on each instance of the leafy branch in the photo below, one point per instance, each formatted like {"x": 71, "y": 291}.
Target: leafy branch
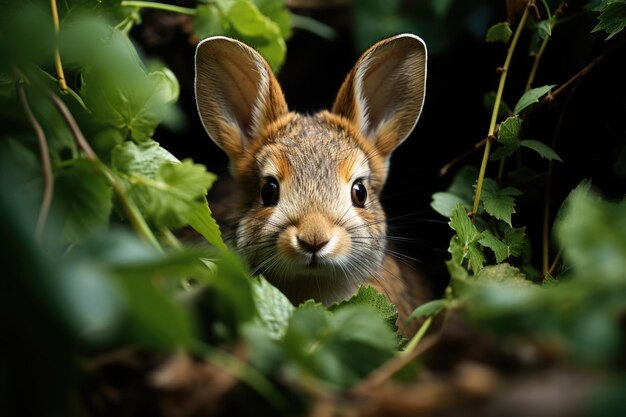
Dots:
{"x": 496, "y": 107}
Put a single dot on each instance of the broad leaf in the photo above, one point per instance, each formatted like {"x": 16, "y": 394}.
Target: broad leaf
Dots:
{"x": 498, "y": 202}
{"x": 500, "y": 32}
{"x": 531, "y": 97}
{"x": 368, "y": 296}
{"x": 542, "y": 149}
{"x": 274, "y": 309}
{"x": 612, "y": 18}
{"x": 82, "y": 201}
{"x": 431, "y": 308}
{"x": 444, "y": 203}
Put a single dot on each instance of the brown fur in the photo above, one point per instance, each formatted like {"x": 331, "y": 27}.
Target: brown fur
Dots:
{"x": 315, "y": 242}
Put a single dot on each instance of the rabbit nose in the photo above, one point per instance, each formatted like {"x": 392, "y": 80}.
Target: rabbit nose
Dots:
{"x": 311, "y": 247}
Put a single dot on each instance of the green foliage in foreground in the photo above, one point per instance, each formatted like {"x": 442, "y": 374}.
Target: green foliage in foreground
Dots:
{"x": 99, "y": 268}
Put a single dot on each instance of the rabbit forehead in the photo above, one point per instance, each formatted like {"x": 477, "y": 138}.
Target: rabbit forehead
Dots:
{"x": 310, "y": 149}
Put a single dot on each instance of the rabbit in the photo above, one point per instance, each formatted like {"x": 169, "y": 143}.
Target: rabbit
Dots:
{"x": 309, "y": 216}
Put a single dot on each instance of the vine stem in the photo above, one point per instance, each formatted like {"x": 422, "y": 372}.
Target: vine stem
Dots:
{"x": 158, "y": 6}
{"x": 46, "y": 166}
{"x": 418, "y": 336}
{"x": 57, "y": 54}
{"x": 496, "y": 106}
{"x": 133, "y": 213}
{"x": 533, "y": 70}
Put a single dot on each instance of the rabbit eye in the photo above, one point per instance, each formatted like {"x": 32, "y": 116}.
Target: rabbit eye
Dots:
{"x": 359, "y": 194}
{"x": 270, "y": 192}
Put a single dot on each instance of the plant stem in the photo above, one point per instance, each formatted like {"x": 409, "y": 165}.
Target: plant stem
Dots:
{"x": 418, "y": 336}
{"x": 496, "y": 106}
{"x": 133, "y": 213}
{"x": 444, "y": 169}
{"x": 46, "y": 166}
{"x": 554, "y": 18}
{"x": 158, "y": 6}
{"x": 57, "y": 54}
{"x": 314, "y": 26}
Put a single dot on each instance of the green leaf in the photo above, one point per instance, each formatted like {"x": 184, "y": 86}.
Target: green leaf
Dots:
{"x": 256, "y": 29}
{"x": 498, "y": 202}
{"x": 431, "y": 308}
{"x": 443, "y": 203}
{"x": 612, "y": 18}
{"x": 368, "y": 296}
{"x": 339, "y": 348}
{"x": 542, "y": 149}
{"x": 235, "y": 287}
{"x": 167, "y": 191}
{"x": 82, "y": 201}
{"x": 208, "y": 21}
{"x": 532, "y": 96}
{"x": 508, "y": 133}
{"x": 121, "y": 94}
{"x": 514, "y": 240}
{"x": 592, "y": 233}
{"x": 274, "y": 309}
{"x": 277, "y": 11}
{"x": 544, "y": 29}
{"x": 464, "y": 244}
{"x": 583, "y": 188}
{"x": 500, "y": 32}
{"x": 503, "y": 274}
{"x": 202, "y": 221}
{"x": 498, "y": 247}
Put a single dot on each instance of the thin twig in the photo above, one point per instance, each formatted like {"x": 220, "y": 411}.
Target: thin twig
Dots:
{"x": 444, "y": 169}
{"x": 57, "y": 54}
{"x": 533, "y": 70}
{"x": 550, "y": 97}
{"x": 496, "y": 107}
{"x": 46, "y": 166}
{"x": 158, "y": 6}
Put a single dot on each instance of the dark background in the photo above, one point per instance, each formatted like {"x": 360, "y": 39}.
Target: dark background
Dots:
{"x": 587, "y": 122}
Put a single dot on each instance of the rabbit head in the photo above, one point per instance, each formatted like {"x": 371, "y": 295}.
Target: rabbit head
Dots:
{"x": 309, "y": 218}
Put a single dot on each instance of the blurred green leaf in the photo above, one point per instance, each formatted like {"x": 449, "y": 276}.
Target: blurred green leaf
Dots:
{"x": 121, "y": 94}
{"x": 444, "y": 203}
{"x": 531, "y": 96}
{"x": 612, "y": 18}
{"x": 592, "y": 234}
{"x": 82, "y": 201}
{"x": 544, "y": 28}
{"x": 339, "y": 348}
{"x": 431, "y": 308}
{"x": 273, "y": 307}
{"x": 500, "y": 32}
{"x": 367, "y": 295}
{"x": 508, "y": 133}
{"x": 208, "y": 21}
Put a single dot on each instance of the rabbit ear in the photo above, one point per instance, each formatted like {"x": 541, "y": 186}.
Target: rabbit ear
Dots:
{"x": 384, "y": 93}
{"x": 236, "y": 93}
